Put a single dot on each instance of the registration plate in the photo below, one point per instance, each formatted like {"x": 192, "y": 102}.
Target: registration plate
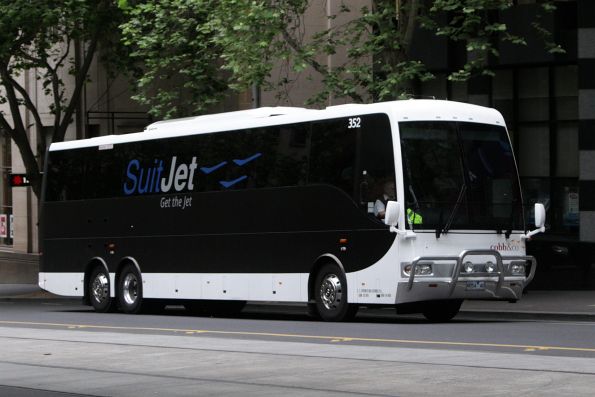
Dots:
{"x": 476, "y": 285}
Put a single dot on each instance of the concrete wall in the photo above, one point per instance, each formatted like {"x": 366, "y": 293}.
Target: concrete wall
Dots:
{"x": 18, "y": 268}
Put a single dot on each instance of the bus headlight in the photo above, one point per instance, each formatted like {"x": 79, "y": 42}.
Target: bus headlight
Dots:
{"x": 421, "y": 269}
{"x": 517, "y": 269}
{"x": 490, "y": 267}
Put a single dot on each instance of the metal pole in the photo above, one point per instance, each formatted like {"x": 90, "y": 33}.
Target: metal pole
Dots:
{"x": 255, "y": 96}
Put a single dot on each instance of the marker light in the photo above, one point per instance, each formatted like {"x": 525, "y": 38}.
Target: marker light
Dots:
{"x": 490, "y": 267}
{"x": 469, "y": 267}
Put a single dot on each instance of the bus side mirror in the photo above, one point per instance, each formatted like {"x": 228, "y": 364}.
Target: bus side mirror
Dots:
{"x": 539, "y": 221}
{"x": 539, "y": 215}
{"x": 392, "y": 213}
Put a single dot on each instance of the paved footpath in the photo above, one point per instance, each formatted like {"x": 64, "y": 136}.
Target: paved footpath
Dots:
{"x": 571, "y": 304}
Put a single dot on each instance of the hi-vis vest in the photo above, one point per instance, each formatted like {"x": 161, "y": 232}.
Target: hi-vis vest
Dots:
{"x": 413, "y": 218}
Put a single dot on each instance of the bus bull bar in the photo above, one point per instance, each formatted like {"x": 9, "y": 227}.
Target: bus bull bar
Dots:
{"x": 459, "y": 263}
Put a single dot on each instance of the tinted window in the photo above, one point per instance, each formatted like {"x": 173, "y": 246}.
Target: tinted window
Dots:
{"x": 277, "y": 156}
{"x": 332, "y": 159}
{"x": 258, "y": 158}
{"x": 65, "y": 175}
{"x": 376, "y": 163}
{"x": 460, "y": 175}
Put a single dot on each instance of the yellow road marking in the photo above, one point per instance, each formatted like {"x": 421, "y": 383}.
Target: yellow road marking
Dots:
{"x": 528, "y": 348}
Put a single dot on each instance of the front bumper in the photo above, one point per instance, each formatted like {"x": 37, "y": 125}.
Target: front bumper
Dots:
{"x": 447, "y": 281}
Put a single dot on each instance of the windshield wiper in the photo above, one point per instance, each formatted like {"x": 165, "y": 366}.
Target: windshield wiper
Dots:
{"x": 416, "y": 203}
{"x": 439, "y": 225}
{"x": 510, "y": 221}
{"x": 454, "y": 210}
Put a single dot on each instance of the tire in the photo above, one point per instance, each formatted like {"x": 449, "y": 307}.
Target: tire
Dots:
{"x": 330, "y": 294}
{"x": 442, "y": 311}
{"x": 99, "y": 291}
{"x": 130, "y": 290}
{"x": 313, "y": 311}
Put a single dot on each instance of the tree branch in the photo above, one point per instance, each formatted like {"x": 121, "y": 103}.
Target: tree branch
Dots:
{"x": 296, "y": 47}
{"x": 56, "y": 95}
{"x": 81, "y": 76}
{"x": 411, "y": 22}
{"x": 13, "y": 102}
{"x": 28, "y": 102}
{"x": 19, "y": 132}
{"x": 41, "y": 143}
{"x": 63, "y": 58}
{"x": 6, "y": 126}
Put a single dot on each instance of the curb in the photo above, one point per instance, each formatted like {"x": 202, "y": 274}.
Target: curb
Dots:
{"x": 529, "y": 316}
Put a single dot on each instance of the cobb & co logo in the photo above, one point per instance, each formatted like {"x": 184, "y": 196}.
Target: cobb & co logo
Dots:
{"x": 511, "y": 246}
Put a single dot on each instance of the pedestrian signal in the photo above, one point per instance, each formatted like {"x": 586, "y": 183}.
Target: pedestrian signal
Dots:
{"x": 18, "y": 180}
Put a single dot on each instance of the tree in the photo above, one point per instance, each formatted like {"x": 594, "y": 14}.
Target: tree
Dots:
{"x": 247, "y": 39}
{"x": 173, "y": 43}
{"x": 42, "y": 37}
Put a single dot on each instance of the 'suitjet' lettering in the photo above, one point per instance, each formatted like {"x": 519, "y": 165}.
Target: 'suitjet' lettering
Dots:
{"x": 143, "y": 179}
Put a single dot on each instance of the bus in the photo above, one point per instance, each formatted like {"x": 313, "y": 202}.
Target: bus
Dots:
{"x": 414, "y": 204}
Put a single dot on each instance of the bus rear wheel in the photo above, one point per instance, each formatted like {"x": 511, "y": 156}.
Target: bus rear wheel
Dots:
{"x": 330, "y": 294}
{"x": 130, "y": 290}
{"x": 99, "y": 291}
{"x": 442, "y": 311}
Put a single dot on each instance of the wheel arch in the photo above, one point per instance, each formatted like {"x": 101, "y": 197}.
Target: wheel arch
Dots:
{"x": 127, "y": 260}
{"x": 91, "y": 265}
{"x": 318, "y": 264}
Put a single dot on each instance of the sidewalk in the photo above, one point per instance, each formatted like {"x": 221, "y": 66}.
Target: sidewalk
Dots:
{"x": 24, "y": 291}
{"x": 571, "y": 304}
{"x": 567, "y": 304}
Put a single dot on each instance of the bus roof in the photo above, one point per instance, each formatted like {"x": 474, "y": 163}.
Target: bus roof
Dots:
{"x": 404, "y": 110}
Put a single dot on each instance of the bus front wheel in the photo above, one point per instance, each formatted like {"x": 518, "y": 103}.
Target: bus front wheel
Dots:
{"x": 330, "y": 293}
{"x": 130, "y": 290}
{"x": 99, "y": 291}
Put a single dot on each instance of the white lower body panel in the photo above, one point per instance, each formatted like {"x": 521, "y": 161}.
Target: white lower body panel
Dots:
{"x": 280, "y": 287}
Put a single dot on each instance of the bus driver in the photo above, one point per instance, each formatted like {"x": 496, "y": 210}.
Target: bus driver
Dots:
{"x": 387, "y": 194}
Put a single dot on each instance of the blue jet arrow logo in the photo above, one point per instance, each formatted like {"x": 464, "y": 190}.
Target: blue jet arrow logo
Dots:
{"x": 208, "y": 170}
{"x": 242, "y": 162}
{"x": 227, "y": 184}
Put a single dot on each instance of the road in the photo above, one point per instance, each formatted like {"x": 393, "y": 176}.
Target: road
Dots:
{"x": 53, "y": 347}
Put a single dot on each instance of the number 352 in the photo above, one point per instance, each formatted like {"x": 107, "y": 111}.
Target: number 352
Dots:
{"x": 354, "y": 122}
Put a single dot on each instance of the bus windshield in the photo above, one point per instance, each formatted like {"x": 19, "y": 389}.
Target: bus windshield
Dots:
{"x": 460, "y": 176}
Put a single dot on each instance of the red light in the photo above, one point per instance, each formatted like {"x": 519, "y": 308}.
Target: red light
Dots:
{"x": 17, "y": 180}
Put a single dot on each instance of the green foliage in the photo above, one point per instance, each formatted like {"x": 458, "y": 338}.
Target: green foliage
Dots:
{"x": 207, "y": 47}
{"x": 475, "y": 22}
{"x": 39, "y": 37}
{"x": 173, "y": 41}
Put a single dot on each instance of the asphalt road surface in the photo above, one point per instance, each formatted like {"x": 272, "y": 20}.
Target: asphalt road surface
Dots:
{"x": 61, "y": 348}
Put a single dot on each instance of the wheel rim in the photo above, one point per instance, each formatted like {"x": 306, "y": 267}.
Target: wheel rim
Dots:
{"x": 331, "y": 291}
{"x": 100, "y": 288}
{"x": 130, "y": 289}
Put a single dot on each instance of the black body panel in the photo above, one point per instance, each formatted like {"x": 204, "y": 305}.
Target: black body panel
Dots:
{"x": 279, "y": 230}
{"x": 269, "y": 199}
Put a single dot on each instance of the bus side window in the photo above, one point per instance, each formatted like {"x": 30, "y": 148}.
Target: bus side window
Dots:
{"x": 376, "y": 173}
{"x": 290, "y": 154}
{"x": 332, "y": 158}
{"x": 66, "y": 173}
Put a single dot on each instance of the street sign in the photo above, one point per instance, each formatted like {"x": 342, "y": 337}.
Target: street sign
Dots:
{"x": 18, "y": 180}
{"x": 3, "y": 225}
